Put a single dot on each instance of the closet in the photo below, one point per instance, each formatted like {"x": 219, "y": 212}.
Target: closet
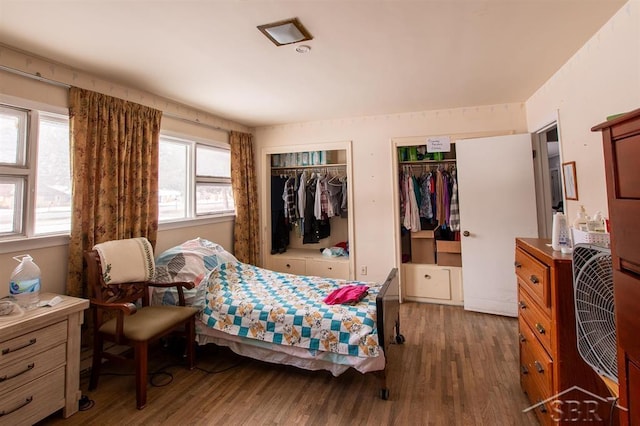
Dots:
{"x": 429, "y": 222}
{"x": 473, "y": 265}
{"x": 308, "y": 230}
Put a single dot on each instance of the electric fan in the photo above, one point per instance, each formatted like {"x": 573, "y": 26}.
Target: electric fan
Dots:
{"x": 595, "y": 318}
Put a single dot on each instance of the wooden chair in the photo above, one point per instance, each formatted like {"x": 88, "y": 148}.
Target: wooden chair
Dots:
{"x": 117, "y": 319}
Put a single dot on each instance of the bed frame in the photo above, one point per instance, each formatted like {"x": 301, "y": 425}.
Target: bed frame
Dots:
{"x": 388, "y": 317}
{"x": 388, "y": 326}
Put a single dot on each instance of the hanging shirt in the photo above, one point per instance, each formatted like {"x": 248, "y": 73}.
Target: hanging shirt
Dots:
{"x": 344, "y": 206}
{"x": 334, "y": 188}
{"x": 302, "y": 194}
{"x": 289, "y": 198}
{"x": 327, "y": 208}
{"x": 412, "y": 211}
{"x": 440, "y": 211}
{"x": 454, "y": 208}
{"x": 425, "y": 192}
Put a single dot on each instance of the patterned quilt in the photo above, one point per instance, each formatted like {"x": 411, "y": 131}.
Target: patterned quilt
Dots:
{"x": 286, "y": 309}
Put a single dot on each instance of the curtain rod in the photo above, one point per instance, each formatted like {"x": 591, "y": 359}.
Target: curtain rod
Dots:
{"x": 196, "y": 121}
{"x": 37, "y": 76}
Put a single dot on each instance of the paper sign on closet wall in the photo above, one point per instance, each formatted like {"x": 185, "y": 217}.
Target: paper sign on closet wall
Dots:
{"x": 439, "y": 144}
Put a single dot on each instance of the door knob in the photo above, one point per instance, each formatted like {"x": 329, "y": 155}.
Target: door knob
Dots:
{"x": 466, "y": 233}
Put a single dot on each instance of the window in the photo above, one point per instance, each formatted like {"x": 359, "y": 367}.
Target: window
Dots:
{"x": 194, "y": 179}
{"x": 35, "y": 182}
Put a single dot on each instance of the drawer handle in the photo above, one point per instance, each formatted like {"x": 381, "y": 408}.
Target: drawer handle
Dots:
{"x": 540, "y": 328}
{"x": 517, "y": 264}
{"x": 427, "y": 276}
{"x": 26, "y": 345}
{"x": 539, "y": 367}
{"x": 543, "y": 408}
{"x": 522, "y": 305}
{"x": 524, "y": 370}
{"x": 522, "y": 338}
{"x": 534, "y": 279}
{"x": 330, "y": 268}
{"x": 288, "y": 265}
{"x": 26, "y": 402}
{"x": 29, "y": 367}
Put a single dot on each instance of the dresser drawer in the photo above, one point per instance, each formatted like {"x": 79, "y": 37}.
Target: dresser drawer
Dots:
{"x": 535, "y": 317}
{"x": 534, "y": 360}
{"x": 288, "y": 265}
{"x": 33, "y": 401}
{"x": 426, "y": 281}
{"x": 535, "y": 276}
{"x": 28, "y": 368}
{"x": 32, "y": 343}
{"x": 537, "y": 398}
{"x": 328, "y": 269}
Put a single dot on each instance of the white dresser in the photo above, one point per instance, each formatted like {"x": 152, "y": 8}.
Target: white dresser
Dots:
{"x": 40, "y": 361}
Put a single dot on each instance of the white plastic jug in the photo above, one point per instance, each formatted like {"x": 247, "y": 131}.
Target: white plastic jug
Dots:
{"x": 25, "y": 282}
{"x": 560, "y": 236}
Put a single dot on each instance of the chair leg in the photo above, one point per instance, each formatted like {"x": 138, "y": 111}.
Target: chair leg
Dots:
{"x": 97, "y": 361}
{"x": 141, "y": 356}
{"x": 191, "y": 341}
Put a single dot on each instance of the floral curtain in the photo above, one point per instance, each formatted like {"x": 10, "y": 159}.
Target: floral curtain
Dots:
{"x": 245, "y": 194}
{"x": 114, "y": 175}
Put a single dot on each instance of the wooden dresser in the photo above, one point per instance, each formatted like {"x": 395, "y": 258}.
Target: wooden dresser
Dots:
{"x": 40, "y": 361}
{"x": 621, "y": 138}
{"x": 549, "y": 361}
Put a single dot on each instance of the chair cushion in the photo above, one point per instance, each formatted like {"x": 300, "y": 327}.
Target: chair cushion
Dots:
{"x": 150, "y": 321}
{"x": 126, "y": 261}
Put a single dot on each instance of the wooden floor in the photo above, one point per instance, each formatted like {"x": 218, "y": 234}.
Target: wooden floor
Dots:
{"x": 455, "y": 368}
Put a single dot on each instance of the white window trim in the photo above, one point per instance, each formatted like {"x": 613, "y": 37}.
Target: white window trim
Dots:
{"x": 195, "y": 219}
{"x": 35, "y": 109}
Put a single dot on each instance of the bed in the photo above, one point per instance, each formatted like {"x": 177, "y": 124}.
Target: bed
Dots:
{"x": 281, "y": 318}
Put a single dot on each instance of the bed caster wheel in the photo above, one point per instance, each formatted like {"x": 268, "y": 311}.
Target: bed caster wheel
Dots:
{"x": 400, "y": 339}
{"x": 384, "y": 394}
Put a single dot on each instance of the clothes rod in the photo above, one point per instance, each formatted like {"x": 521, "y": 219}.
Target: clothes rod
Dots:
{"x": 37, "y": 76}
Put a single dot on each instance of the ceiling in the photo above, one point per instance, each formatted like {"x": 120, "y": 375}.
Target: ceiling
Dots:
{"x": 368, "y": 57}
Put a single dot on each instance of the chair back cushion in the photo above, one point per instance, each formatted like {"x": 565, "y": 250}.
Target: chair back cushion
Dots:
{"x": 126, "y": 261}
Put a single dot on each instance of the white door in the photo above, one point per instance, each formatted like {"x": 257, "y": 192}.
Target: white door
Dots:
{"x": 497, "y": 204}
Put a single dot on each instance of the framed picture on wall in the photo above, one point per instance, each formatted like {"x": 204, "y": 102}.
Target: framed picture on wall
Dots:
{"x": 570, "y": 181}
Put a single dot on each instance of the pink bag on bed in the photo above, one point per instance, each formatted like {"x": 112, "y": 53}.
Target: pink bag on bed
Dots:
{"x": 346, "y": 294}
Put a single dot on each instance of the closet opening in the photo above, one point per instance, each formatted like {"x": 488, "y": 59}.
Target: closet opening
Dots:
{"x": 548, "y": 176}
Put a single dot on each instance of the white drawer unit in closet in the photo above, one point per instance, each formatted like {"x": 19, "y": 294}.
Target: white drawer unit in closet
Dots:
{"x": 432, "y": 283}
{"x": 310, "y": 262}
{"x": 40, "y": 361}
{"x": 287, "y": 264}
{"x": 333, "y": 268}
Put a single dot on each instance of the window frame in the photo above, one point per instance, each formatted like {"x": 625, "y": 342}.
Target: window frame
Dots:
{"x": 192, "y": 217}
{"x": 28, "y": 172}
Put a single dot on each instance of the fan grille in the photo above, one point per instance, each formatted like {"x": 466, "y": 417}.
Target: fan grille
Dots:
{"x": 595, "y": 317}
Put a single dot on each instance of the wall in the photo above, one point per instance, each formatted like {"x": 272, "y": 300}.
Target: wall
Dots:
{"x": 372, "y": 166}
{"x": 601, "y": 79}
{"x": 51, "y": 253}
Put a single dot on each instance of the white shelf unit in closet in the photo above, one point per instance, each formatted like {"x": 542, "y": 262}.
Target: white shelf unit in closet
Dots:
{"x": 433, "y": 272}
{"x": 300, "y": 258}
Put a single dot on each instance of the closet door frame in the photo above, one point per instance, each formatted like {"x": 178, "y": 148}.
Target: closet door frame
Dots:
{"x": 264, "y": 172}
